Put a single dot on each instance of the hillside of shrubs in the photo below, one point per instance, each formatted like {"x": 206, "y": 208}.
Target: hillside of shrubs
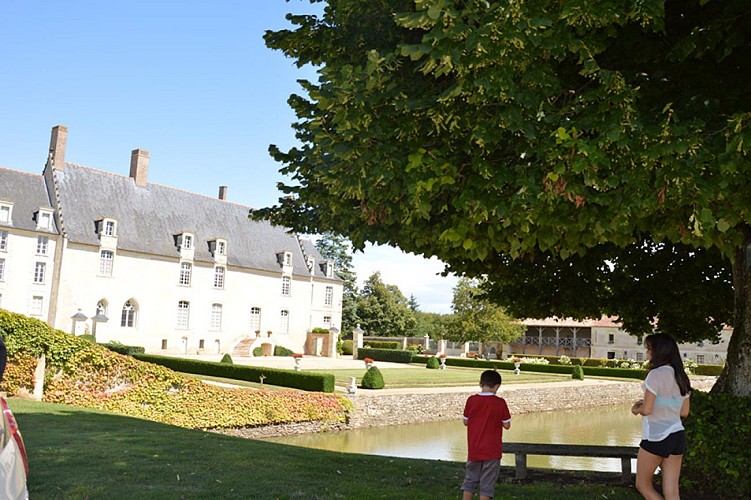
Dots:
{"x": 79, "y": 373}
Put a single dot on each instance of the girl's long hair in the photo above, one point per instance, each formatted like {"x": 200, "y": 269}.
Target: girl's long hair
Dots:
{"x": 665, "y": 352}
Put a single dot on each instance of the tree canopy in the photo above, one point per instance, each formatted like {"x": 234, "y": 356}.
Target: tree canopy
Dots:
{"x": 477, "y": 318}
{"x": 538, "y": 136}
{"x": 383, "y": 310}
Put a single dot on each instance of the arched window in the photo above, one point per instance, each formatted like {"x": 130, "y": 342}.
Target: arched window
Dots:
{"x": 128, "y": 318}
{"x": 101, "y": 308}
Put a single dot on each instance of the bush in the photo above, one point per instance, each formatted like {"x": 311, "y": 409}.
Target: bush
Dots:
{"x": 227, "y": 359}
{"x": 433, "y": 363}
{"x": 128, "y": 350}
{"x": 373, "y": 379}
{"x": 713, "y": 370}
{"x": 718, "y": 430}
{"x": 281, "y": 351}
{"x": 392, "y": 355}
{"x": 382, "y": 344}
{"x": 258, "y": 351}
{"x": 347, "y": 347}
{"x": 273, "y": 376}
{"x": 319, "y": 329}
{"x": 577, "y": 373}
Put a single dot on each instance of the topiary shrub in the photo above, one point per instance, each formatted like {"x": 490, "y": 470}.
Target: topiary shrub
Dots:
{"x": 718, "y": 430}
{"x": 347, "y": 347}
{"x": 258, "y": 351}
{"x": 373, "y": 379}
{"x": 281, "y": 351}
{"x": 433, "y": 363}
{"x": 227, "y": 359}
{"x": 577, "y": 373}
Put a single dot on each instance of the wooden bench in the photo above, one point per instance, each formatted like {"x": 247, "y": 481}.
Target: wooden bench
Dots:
{"x": 521, "y": 450}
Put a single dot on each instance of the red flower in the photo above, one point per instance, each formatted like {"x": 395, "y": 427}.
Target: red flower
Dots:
{"x": 296, "y": 355}
{"x": 368, "y": 360}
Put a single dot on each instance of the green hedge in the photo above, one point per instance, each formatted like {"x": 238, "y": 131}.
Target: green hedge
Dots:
{"x": 282, "y": 351}
{"x": 347, "y": 347}
{"x": 714, "y": 370}
{"x": 382, "y": 344}
{"x": 392, "y": 355}
{"x": 718, "y": 429}
{"x": 273, "y": 376}
{"x": 128, "y": 350}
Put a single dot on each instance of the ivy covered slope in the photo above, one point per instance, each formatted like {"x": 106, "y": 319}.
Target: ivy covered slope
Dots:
{"x": 82, "y": 374}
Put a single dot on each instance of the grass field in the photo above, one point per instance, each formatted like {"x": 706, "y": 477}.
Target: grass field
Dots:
{"x": 78, "y": 453}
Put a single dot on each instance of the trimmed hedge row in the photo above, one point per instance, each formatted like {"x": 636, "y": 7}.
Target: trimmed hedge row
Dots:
{"x": 382, "y": 344}
{"x": 392, "y": 355}
{"x": 272, "y": 376}
{"x": 713, "y": 370}
{"x": 127, "y": 350}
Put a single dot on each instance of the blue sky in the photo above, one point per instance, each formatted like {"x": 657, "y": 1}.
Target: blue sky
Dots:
{"x": 190, "y": 81}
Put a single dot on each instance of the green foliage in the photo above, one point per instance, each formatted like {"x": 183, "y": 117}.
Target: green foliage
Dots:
{"x": 718, "y": 430}
{"x": 433, "y": 363}
{"x": 392, "y": 355}
{"x": 318, "y": 329}
{"x": 373, "y": 379}
{"x": 383, "y": 310}
{"x": 477, "y": 318}
{"x": 128, "y": 350}
{"x": 258, "y": 351}
{"x": 588, "y": 159}
{"x": 273, "y": 376}
{"x": 577, "y": 373}
{"x": 374, "y": 344}
{"x": 337, "y": 248}
{"x": 713, "y": 370}
{"x": 88, "y": 338}
{"x": 347, "y": 347}
{"x": 19, "y": 373}
{"x": 283, "y": 351}
{"x": 434, "y": 325}
{"x": 226, "y": 359}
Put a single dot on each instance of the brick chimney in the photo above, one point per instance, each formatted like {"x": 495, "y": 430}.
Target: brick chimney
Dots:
{"x": 139, "y": 166}
{"x": 223, "y": 193}
{"x": 58, "y": 142}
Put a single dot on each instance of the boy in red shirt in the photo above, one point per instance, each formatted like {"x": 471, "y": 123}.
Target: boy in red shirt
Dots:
{"x": 485, "y": 415}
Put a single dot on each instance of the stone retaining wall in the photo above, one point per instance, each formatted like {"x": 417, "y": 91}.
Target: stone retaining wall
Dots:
{"x": 373, "y": 410}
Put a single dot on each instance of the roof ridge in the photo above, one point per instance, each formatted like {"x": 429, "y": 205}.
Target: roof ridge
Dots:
{"x": 20, "y": 172}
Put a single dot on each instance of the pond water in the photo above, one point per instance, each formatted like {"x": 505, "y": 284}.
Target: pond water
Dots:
{"x": 447, "y": 440}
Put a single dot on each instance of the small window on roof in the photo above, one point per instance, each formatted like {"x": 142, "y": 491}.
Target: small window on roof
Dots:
{"x": 5, "y": 213}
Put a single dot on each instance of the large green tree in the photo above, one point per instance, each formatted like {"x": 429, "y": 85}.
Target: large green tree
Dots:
{"x": 539, "y": 136}
{"x": 477, "y": 318}
{"x": 337, "y": 248}
{"x": 383, "y": 309}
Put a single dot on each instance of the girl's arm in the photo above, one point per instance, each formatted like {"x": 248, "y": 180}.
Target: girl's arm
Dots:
{"x": 685, "y": 407}
{"x": 647, "y": 405}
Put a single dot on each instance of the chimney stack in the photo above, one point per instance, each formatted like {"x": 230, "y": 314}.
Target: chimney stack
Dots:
{"x": 58, "y": 141}
{"x": 139, "y": 166}
{"x": 223, "y": 193}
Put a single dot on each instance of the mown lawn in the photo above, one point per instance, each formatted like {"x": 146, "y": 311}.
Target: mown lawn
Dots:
{"x": 77, "y": 453}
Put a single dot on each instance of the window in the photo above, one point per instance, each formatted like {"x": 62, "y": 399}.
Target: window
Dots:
{"x": 327, "y": 321}
{"x": 284, "y": 322}
{"x": 101, "y": 308}
{"x": 164, "y": 344}
{"x": 109, "y": 228}
{"x": 611, "y": 338}
{"x": 218, "y": 277}
{"x": 287, "y": 259}
{"x": 183, "y": 314}
{"x": 639, "y": 356}
{"x": 39, "y": 271}
{"x": 201, "y": 344}
{"x": 45, "y": 220}
{"x": 187, "y": 241}
{"x": 328, "y": 298}
{"x": 4, "y": 213}
{"x": 611, "y": 355}
{"x": 221, "y": 248}
{"x": 42, "y": 244}
{"x": 37, "y": 303}
{"x": 216, "y": 317}
{"x": 2, "y": 269}
{"x": 185, "y": 271}
{"x": 700, "y": 359}
{"x": 286, "y": 285}
{"x": 3, "y": 240}
{"x": 128, "y": 318}
{"x": 255, "y": 319}
{"x": 105, "y": 262}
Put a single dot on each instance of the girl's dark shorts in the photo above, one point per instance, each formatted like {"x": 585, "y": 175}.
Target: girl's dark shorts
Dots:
{"x": 674, "y": 444}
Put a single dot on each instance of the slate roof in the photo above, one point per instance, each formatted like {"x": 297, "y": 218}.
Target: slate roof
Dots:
{"x": 148, "y": 218}
{"x": 553, "y": 322}
{"x": 28, "y": 194}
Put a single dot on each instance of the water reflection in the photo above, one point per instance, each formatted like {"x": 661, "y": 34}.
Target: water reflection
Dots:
{"x": 447, "y": 440}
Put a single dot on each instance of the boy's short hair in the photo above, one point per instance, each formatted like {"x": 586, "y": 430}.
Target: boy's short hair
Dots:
{"x": 490, "y": 378}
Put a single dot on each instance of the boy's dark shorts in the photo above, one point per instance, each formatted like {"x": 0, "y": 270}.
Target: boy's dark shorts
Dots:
{"x": 485, "y": 474}
{"x": 674, "y": 444}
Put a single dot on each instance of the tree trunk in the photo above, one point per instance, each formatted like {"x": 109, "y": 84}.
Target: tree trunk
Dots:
{"x": 736, "y": 377}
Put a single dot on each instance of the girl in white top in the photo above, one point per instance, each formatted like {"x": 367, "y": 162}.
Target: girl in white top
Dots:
{"x": 666, "y": 401}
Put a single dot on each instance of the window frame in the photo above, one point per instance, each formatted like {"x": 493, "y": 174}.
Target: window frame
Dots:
{"x": 286, "y": 286}
{"x": 186, "y": 274}
{"x": 328, "y": 296}
{"x": 183, "y": 315}
{"x": 32, "y": 308}
{"x": 128, "y": 314}
{"x": 40, "y": 272}
{"x": 106, "y": 264}
{"x": 43, "y": 244}
{"x": 253, "y": 317}
{"x": 7, "y": 209}
{"x": 2, "y": 269}
{"x": 4, "y": 241}
{"x": 284, "y": 321}
{"x": 219, "y": 274}
{"x": 215, "y": 318}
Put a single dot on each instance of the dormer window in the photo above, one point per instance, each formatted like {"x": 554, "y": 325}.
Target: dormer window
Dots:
{"x": 218, "y": 248}
{"x": 6, "y": 211}
{"x": 311, "y": 263}
{"x": 187, "y": 242}
{"x": 328, "y": 268}
{"x": 284, "y": 259}
{"x": 43, "y": 219}
{"x": 106, "y": 227}
{"x": 109, "y": 228}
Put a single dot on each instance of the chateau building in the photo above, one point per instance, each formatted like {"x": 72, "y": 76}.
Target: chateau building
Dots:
{"x": 129, "y": 261}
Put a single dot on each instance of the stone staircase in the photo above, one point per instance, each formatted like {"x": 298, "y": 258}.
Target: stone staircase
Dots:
{"x": 243, "y": 348}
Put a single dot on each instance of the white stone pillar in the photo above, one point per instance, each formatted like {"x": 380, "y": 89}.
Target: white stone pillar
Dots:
{"x": 356, "y": 341}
